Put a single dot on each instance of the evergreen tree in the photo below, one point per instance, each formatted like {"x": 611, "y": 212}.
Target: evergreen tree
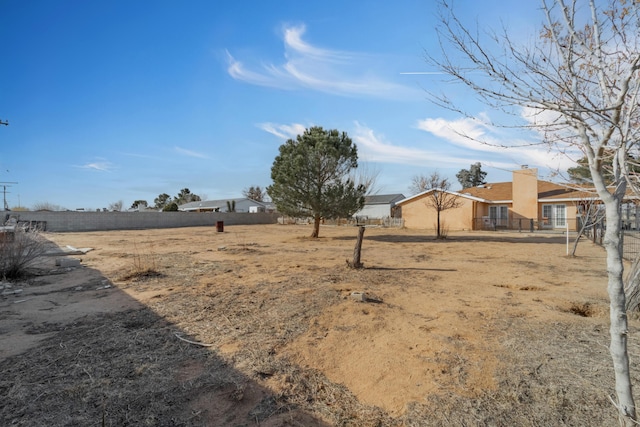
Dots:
{"x": 254, "y": 193}
{"x": 471, "y": 177}
{"x": 581, "y": 174}
{"x": 186, "y": 196}
{"x": 311, "y": 177}
{"x": 138, "y": 203}
{"x": 170, "y": 207}
{"x": 162, "y": 201}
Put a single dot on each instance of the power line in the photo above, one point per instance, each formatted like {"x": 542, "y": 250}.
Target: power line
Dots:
{"x": 4, "y": 192}
{"x": 4, "y": 186}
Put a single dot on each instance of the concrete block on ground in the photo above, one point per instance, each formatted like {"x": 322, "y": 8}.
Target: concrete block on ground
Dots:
{"x": 359, "y": 296}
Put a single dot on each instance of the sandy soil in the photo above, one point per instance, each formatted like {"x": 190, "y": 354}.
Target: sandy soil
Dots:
{"x": 477, "y": 329}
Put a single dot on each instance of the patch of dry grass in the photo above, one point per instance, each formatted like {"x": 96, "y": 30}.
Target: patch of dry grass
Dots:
{"x": 19, "y": 251}
{"x": 122, "y": 367}
{"x": 131, "y": 369}
{"x": 144, "y": 264}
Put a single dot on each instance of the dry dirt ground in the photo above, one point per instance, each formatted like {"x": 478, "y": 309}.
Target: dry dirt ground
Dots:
{"x": 257, "y": 326}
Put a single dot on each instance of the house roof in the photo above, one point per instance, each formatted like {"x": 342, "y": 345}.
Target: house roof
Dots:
{"x": 551, "y": 191}
{"x": 382, "y": 199}
{"x": 502, "y": 192}
{"x": 209, "y": 204}
{"x": 490, "y": 192}
{"x": 416, "y": 196}
{"x": 212, "y": 204}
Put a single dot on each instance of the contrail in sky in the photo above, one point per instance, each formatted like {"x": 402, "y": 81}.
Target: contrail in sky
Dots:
{"x": 422, "y": 72}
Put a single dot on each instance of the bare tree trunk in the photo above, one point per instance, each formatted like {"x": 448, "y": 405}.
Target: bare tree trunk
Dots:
{"x": 316, "y": 227}
{"x": 357, "y": 250}
{"x": 575, "y": 244}
{"x": 618, "y": 315}
{"x": 583, "y": 228}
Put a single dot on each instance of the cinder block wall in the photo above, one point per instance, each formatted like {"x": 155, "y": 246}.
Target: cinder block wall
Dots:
{"x": 98, "y": 221}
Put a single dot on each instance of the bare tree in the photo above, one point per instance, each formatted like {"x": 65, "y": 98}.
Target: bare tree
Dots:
{"x": 46, "y": 206}
{"x": 419, "y": 183}
{"x": 590, "y": 215}
{"x": 440, "y": 199}
{"x": 577, "y": 86}
{"x": 116, "y": 206}
{"x": 367, "y": 176}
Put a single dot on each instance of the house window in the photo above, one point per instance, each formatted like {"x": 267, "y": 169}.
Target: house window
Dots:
{"x": 555, "y": 215}
{"x": 499, "y": 215}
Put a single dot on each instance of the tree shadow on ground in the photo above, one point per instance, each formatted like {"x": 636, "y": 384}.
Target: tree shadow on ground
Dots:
{"x": 498, "y": 238}
{"x": 408, "y": 269}
{"x": 105, "y": 359}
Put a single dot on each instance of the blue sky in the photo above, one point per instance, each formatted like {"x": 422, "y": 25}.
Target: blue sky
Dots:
{"x": 124, "y": 100}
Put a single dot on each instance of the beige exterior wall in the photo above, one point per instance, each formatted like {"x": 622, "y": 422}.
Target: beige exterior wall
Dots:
{"x": 525, "y": 194}
{"x": 418, "y": 214}
{"x": 572, "y": 215}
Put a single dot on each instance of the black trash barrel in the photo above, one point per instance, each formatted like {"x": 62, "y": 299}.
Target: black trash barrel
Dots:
{"x": 220, "y": 226}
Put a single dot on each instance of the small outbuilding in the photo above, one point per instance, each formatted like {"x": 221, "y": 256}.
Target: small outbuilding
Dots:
{"x": 380, "y": 206}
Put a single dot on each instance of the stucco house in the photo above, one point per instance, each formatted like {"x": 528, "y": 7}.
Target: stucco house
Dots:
{"x": 523, "y": 204}
{"x": 380, "y": 206}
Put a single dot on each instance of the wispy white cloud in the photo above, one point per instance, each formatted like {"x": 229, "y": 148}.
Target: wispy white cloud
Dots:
{"x": 293, "y": 42}
{"x": 478, "y": 136}
{"x": 98, "y": 165}
{"x": 374, "y": 148}
{"x": 191, "y": 153}
{"x": 465, "y": 132}
{"x": 325, "y": 70}
{"x": 238, "y": 71}
{"x": 283, "y": 131}
{"x": 443, "y": 152}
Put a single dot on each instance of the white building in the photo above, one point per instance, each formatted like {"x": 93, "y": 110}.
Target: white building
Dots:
{"x": 380, "y": 206}
{"x": 226, "y": 205}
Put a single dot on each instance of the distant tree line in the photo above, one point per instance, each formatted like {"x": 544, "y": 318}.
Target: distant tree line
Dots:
{"x": 166, "y": 203}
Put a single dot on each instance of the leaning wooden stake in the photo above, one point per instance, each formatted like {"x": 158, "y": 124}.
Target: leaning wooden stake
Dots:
{"x": 357, "y": 250}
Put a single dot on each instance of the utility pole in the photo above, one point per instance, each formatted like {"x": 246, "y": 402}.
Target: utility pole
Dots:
{"x": 4, "y": 186}
{"x": 4, "y": 193}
